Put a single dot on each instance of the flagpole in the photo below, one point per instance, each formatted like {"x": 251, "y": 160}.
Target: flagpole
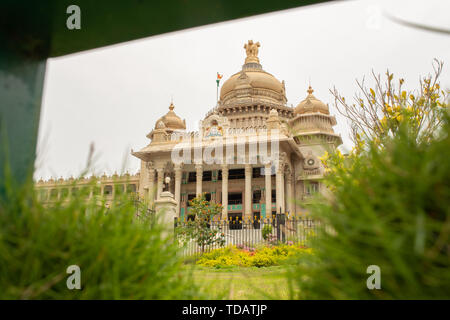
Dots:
{"x": 217, "y": 89}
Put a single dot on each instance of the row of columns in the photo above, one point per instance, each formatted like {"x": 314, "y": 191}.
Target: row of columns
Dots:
{"x": 91, "y": 190}
{"x": 279, "y": 187}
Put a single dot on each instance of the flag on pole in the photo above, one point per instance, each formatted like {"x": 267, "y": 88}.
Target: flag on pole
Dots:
{"x": 219, "y": 76}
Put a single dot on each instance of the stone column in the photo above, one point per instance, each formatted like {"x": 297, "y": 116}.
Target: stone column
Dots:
{"x": 224, "y": 191}
{"x": 178, "y": 173}
{"x": 289, "y": 198}
{"x": 248, "y": 190}
{"x": 160, "y": 173}
{"x": 283, "y": 193}
{"x": 151, "y": 186}
{"x": 199, "y": 180}
{"x": 268, "y": 176}
{"x": 278, "y": 187}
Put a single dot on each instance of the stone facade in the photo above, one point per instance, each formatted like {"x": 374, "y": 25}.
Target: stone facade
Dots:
{"x": 253, "y": 153}
{"x": 252, "y": 106}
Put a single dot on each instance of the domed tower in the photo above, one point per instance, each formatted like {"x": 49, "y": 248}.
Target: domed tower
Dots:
{"x": 166, "y": 125}
{"x": 172, "y": 121}
{"x": 247, "y": 97}
{"x": 312, "y": 122}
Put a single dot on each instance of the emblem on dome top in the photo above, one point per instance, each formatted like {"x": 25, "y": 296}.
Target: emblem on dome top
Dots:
{"x": 251, "y": 49}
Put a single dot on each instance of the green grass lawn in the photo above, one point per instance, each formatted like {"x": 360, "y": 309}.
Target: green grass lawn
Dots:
{"x": 242, "y": 283}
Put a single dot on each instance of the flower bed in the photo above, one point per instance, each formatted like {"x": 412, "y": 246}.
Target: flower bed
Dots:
{"x": 244, "y": 256}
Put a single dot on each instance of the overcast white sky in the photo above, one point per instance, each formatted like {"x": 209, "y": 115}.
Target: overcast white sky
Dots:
{"x": 113, "y": 96}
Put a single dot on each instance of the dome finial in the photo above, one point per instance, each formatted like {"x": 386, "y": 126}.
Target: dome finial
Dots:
{"x": 252, "y": 51}
{"x": 171, "y": 107}
{"x": 310, "y": 90}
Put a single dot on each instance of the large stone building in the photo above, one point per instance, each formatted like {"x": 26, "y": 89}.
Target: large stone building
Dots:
{"x": 252, "y": 153}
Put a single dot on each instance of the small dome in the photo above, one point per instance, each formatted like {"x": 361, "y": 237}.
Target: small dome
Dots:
{"x": 311, "y": 104}
{"x": 171, "y": 120}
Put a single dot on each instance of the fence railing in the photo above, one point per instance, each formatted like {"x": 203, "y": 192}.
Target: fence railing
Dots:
{"x": 250, "y": 233}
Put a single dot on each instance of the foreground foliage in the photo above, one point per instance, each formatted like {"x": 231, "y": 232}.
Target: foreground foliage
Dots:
{"x": 120, "y": 256}
{"x": 390, "y": 208}
{"x": 377, "y": 114}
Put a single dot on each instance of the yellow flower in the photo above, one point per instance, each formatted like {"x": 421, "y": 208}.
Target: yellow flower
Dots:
{"x": 403, "y": 94}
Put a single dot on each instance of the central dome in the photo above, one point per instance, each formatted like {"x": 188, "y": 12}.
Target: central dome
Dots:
{"x": 252, "y": 82}
{"x": 257, "y": 79}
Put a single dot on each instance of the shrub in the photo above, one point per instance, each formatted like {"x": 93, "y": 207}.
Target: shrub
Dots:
{"x": 390, "y": 208}
{"x": 120, "y": 256}
{"x": 243, "y": 256}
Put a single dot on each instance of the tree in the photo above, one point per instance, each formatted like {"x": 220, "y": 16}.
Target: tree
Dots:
{"x": 200, "y": 229}
{"x": 378, "y": 113}
{"x": 391, "y": 209}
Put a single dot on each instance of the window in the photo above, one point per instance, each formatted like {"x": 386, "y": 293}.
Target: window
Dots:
{"x": 256, "y": 196}
{"x": 43, "y": 194}
{"x": 236, "y": 174}
{"x": 207, "y": 175}
{"x": 274, "y": 196}
{"x": 311, "y": 187}
{"x": 235, "y": 198}
{"x": 64, "y": 193}
{"x": 96, "y": 190}
{"x": 192, "y": 177}
{"x": 257, "y": 172}
{"x": 118, "y": 189}
{"x": 107, "y": 190}
{"x": 131, "y": 188}
{"x": 53, "y": 193}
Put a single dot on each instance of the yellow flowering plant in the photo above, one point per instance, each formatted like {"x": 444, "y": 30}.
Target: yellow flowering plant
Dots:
{"x": 379, "y": 112}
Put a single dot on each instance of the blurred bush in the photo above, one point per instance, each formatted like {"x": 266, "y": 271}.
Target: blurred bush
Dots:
{"x": 390, "y": 207}
{"x": 120, "y": 256}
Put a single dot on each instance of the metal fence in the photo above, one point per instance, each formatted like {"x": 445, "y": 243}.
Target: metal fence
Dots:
{"x": 250, "y": 233}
